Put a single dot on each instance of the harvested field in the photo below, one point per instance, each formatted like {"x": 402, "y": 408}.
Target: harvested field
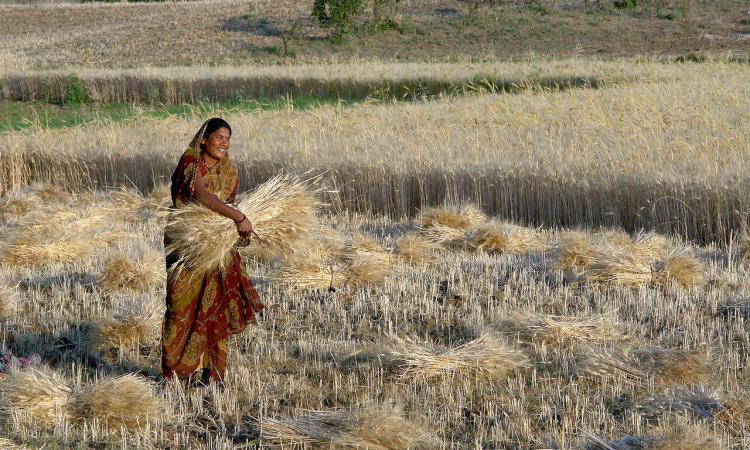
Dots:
{"x": 643, "y": 155}
{"x": 468, "y": 348}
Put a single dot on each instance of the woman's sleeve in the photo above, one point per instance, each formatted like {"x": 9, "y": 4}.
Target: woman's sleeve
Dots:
{"x": 183, "y": 180}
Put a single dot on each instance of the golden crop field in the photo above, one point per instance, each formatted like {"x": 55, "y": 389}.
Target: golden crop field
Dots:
{"x": 496, "y": 249}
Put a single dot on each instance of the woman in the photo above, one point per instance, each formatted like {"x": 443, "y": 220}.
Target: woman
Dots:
{"x": 204, "y": 309}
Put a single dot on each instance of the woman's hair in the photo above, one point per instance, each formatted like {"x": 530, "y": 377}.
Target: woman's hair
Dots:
{"x": 213, "y": 125}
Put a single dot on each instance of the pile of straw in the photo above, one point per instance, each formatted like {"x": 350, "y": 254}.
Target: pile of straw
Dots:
{"x": 34, "y": 250}
{"x": 487, "y": 357}
{"x": 139, "y": 274}
{"x": 679, "y": 268}
{"x": 35, "y": 395}
{"x": 675, "y": 441}
{"x": 575, "y": 250}
{"x": 282, "y": 211}
{"x": 127, "y": 401}
{"x": 460, "y": 218}
{"x": 674, "y": 366}
{"x": 373, "y": 427}
{"x": 502, "y": 237}
{"x": 562, "y": 331}
{"x": 8, "y": 300}
{"x": 415, "y": 249}
{"x": 47, "y": 398}
{"x": 133, "y": 326}
{"x": 334, "y": 263}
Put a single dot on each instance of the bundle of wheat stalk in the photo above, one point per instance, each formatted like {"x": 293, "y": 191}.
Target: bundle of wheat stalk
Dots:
{"x": 8, "y": 300}
{"x": 680, "y": 268}
{"x": 575, "y": 250}
{"x": 618, "y": 268}
{"x": 502, "y": 237}
{"x": 139, "y": 274}
{"x": 282, "y": 210}
{"x": 462, "y": 218}
{"x": 35, "y": 395}
{"x": 673, "y": 366}
{"x": 127, "y": 401}
{"x": 312, "y": 267}
{"x": 33, "y": 250}
{"x": 370, "y": 427}
{"x": 134, "y": 326}
{"x": 415, "y": 249}
{"x": 674, "y": 441}
{"x": 487, "y": 357}
{"x": 562, "y": 331}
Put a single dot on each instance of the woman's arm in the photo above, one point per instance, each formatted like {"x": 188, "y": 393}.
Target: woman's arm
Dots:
{"x": 213, "y": 203}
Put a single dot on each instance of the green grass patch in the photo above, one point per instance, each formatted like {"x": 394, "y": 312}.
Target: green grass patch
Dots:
{"x": 19, "y": 116}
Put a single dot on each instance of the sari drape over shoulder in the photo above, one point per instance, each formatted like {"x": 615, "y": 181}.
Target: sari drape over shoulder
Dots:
{"x": 203, "y": 309}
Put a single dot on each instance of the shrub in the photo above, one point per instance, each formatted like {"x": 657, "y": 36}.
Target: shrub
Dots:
{"x": 338, "y": 15}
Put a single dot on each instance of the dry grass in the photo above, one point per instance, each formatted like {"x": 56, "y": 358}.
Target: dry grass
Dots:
{"x": 282, "y": 211}
{"x": 682, "y": 269}
{"x": 371, "y": 427}
{"x": 575, "y": 250}
{"x": 563, "y": 331}
{"x": 135, "y": 325}
{"x": 674, "y": 366}
{"x": 415, "y": 249}
{"x": 487, "y": 357}
{"x": 457, "y": 217}
{"x": 39, "y": 396}
{"x": 128, "y": 400}
{"x": 500, "y": 237}
{"x": 675, "y": 441}
{"x": 32, "y": 250}
{"x": 8, "y": 300}
{"x": 139, "y": 274}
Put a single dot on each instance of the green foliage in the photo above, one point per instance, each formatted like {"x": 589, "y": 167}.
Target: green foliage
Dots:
{"x": 75, "y": 91}
{"x": 338, "y": 15}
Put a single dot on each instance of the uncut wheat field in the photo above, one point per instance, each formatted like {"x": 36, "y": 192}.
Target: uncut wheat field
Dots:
{"x": 532, "y": 268}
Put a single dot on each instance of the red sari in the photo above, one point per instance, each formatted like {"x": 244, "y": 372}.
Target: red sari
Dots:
{"x": 204, "y": 309}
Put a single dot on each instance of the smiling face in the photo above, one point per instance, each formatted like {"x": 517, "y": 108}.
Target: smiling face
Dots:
{"x": 216, "y": 144}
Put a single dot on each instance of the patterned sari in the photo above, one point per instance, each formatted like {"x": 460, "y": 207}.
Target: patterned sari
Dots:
{"x": 204, "y": 309}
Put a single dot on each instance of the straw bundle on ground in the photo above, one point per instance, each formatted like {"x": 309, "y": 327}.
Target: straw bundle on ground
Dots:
{"x": 575, "y": 249}
{"x": 282, "y": 210}
{"x": 8, "y": 300}
{"x": 139, "y": 325}
{"x": 487, "y": 357}
{"x": 127, "y": 400}
{"x": 611, "y": 363}
{"x": 680, "y": 268}
{"x": 674, "y": 366}
{"x": 34, "y": 250}
{"x": 743, "y": 249}
{"x": 311, "y": 267}
{"x": 139, "y": 274}
{"x": 447, "y": 237}
{"x": 414, "y": 249}
{"x": 461, "y": 218}
{"x": 39, "y": 396}
{"x": 562, "y": 331}
{"x": 618, "y": 268}
{"x": 502, "y": 237}
{"x": 375, "y": 428}
{"x": 677, "y": 441}
{"x": 365, "y": 268}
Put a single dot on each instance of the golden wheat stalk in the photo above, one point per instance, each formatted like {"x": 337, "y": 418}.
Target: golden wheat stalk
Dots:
{"x": 135, "y": 325}
{"x": 460, "y": 218}
{"x": 42, "y": 397}
{"x": 487, "y": 357}
{"x": 415, "y": 249}
{"x": 679, "y": 267}
{"x": 371, "y": 427}
{"x": 282, "y": 210}
{"x": 562, "y": 331}
{"x": 502, "y": 237}
{"x": 127, "y": 401}
{"x": 121, "y": 272}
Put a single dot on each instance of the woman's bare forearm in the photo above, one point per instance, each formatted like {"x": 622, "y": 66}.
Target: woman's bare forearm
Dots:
{"x": 213, "y": 203}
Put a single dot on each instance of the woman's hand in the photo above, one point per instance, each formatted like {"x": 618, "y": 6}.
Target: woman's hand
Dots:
{"x": 244, "y": 227}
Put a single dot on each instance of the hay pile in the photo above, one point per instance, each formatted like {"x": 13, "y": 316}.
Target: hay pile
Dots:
{"x": 138, "y": 274}
{"x": 562, "y": 331}
{"x": 282, "y": 210}
{"x": 373, "y": 427}
{"x": 674, "y": 441}
{"x": 665, "y": 367}
{"x": 47, "y": 398}
{"x": 333, "y": 262}
{"x": 8, "y": 300}
{"x": 134, "y": 325}
{"x": 487, "y": 358}
{"x": 127, "y": 401}
{"x": 469, "y": 229}
{"x": 415, "y": 249}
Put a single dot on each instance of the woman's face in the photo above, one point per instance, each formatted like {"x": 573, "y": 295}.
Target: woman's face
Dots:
{"x": 216, "y": 144}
